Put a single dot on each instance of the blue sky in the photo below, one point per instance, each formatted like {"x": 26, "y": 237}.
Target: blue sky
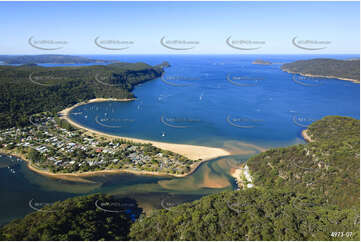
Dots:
{"x": 273, "y": 24}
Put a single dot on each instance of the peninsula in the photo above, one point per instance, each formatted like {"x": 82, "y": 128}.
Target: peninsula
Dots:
{"x": 348, "y": 70}
{"x": 29, "y": 89}
{"x": 52, "y": 146}
{"x": 33, "y": 131}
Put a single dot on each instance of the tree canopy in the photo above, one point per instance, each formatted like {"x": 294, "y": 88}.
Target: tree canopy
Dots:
{"x": 78, "y": 218}
{"x": 303, "y": 192}
{"x": 31, "y": 89}
{"x": 349, "y": 69}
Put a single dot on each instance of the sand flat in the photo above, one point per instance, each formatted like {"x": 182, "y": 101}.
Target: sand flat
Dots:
{"x": 306, "y": 136}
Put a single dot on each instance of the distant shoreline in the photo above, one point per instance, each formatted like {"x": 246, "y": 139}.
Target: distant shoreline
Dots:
{"x": 321, "y": 76}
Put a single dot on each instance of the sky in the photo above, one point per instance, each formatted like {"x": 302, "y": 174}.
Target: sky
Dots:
{"x": 250, "y": 27}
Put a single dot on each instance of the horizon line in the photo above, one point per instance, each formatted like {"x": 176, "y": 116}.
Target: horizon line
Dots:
{"x": 193, "y": 54}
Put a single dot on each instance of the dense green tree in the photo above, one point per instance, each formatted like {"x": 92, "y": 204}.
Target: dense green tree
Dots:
{"x": 252, "y": 214}
{"x": 31, "y": 89}
{"x": 34, "y": 155}
{"x": 303, "y": 192}
{"x": 79, "y": 218}
{"x": 349, "y": 69}
{"x": 328, "y": 166}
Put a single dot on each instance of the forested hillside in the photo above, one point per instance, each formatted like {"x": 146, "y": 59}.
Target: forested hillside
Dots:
{"x": 334, "y": 128}
{"x": 303, "y": 192}
{"x": 79, "y": 218}
{"x": 329, "y": 166}
{"x": 30, "y": 89}
{"x": 344, "y": 69}
{"x": 253, "y": 214}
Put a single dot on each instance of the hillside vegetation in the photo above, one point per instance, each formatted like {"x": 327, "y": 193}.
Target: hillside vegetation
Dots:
{"x": 253, "y": 214}
{"x": 344, "y": 69}
{"x": 73, "y": 219}
{"x": 303, "y": 192}
{"x": 30, "y": 89}
{"x": 329, "y": 166}
{"x": 334, "y": 128}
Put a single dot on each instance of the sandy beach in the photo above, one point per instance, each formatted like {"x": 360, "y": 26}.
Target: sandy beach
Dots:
{"x": 80, "y": 177}
{"x": 242, "y": 176}
{"x": 67, "y": 110}
{"x": 237, "y": 174}
{"x": 306, "y": 136}
{"x": 193, "y": 152}
{"x": 320, "y": 76}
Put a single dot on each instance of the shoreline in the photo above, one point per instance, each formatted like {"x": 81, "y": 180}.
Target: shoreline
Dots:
{"x": 237, "y": 173}
{"x": 78, "y": 176}
{"x": 321, "y": 76}
{"x": 242, "y": 175}
{"x": 306, "y": 136}
{"x": 94, "y": 100}
{"x": 193, "y": 152}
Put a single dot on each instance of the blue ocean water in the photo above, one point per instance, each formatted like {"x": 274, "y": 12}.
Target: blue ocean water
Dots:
{"x": 208, "y": 100}
{"x": 204, "y": 100}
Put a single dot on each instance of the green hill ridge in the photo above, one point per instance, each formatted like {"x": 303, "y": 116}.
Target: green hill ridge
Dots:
{"x": 30, "y": 89}
{"x": 78, "y": 218}
{"x": 302, "y": 192}
{"x": 324, "y": 67}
